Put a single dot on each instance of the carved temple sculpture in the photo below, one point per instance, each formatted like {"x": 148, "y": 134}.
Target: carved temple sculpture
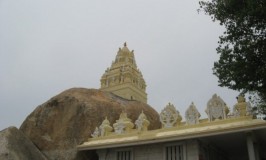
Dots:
{"x": 242, "y": 108}
{"x": 192, "y": 115}
{"x": 216, "y": 108}
{"x": 96, "y": 133}
{"x": 170, "y": 117}
{"x": 103, "y": 130}
{"x": 123, "y": 125}
{"x": 142, "y": 122}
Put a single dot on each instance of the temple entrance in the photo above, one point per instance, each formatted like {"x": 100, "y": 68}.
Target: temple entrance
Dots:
{"x": 233, "y": 146}
{"x": 88, "y": 155}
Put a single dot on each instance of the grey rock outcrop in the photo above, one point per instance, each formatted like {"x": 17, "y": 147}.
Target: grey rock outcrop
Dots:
{"x": 14, "y": 145}
{"x": 68, "y": 119}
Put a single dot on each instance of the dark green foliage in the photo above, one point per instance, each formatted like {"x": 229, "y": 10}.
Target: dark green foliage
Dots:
{"x": 242, "y": 47}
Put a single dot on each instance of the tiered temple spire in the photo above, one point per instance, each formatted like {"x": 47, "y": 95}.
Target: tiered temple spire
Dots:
{"x": 124, "y": 78}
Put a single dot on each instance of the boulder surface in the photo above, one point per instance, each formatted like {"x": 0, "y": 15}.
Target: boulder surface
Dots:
{"x": 68, "y": 119}
{"x": 14, "y": 145}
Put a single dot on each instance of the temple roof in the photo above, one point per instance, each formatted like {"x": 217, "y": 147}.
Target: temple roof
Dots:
{"x": 219, "y": 122}
{"x": 176, "y": 133}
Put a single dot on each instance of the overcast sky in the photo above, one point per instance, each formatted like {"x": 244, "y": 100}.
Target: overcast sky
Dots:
{"x": 48, "y": 46}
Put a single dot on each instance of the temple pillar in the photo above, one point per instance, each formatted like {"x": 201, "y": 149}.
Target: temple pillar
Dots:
{"x": 250, "y": 145}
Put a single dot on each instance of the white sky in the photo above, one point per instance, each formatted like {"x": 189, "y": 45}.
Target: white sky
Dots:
{"x": 48, "y": 46}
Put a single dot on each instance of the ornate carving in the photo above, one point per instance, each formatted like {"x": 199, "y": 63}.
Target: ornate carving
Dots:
{"x": 242, "y": 108}
{"x": 119, "y": 128}
{"x": 124, "y": 124}
{"x": 142, "y": 123}
{"x": 216, "y": 108}
{"x": 169, "y": 116}
{"x": 105, "y": 128}
{"x": 192, "y": 115}
{"x": 96, "y": 133}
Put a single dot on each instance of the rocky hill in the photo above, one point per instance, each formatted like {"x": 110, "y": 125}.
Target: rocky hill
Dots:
{"x": 14, "y": 145}
{"x": 68, "y": 119}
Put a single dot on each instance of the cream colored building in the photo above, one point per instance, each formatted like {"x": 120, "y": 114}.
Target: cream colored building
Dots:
{"x": 224, "y": 135}
{"x": 124, "y": 78}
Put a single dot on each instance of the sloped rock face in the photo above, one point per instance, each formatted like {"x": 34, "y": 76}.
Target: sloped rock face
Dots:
{"x": 68, "y": 119}
{"x": 14, "y": 145}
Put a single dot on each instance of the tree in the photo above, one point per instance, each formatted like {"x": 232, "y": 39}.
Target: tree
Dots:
{"x": 242, "y": 47}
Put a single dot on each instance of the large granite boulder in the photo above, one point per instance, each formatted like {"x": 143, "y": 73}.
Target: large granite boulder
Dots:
{"x": 14, "y": 145}
{"x": 68, "y": 119}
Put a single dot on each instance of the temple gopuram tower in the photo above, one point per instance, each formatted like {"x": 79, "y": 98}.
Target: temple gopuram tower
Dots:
{"x": 124, "y": 78}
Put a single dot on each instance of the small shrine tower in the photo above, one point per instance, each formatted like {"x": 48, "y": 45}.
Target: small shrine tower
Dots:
{"x": 124, "y": 78}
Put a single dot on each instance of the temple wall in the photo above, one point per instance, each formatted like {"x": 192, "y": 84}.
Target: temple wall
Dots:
{"x": 145, "y": 152}
{"x": 156, "y": 151}
{"x": 192, "y": 150}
